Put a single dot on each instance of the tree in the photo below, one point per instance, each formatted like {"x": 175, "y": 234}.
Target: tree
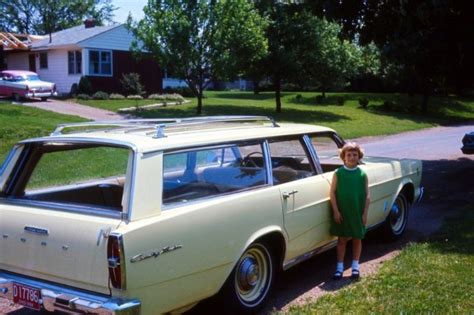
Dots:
{"x": 48, "y": 16}
{"x": 327, "y": 60}
{"x": 428, "y": 43}
{"x": 202, "y": 40}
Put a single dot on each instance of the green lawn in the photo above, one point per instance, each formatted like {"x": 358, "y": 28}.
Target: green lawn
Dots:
{"x": 19, "y": 122}
{"x": 434, "y": 277}
{"x": 349, "y": 120}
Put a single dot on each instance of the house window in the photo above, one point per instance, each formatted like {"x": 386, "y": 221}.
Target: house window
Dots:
{"x": 43, "y": 60}
{"x": 74, "y": 62}
{"x": 100, "y": 62}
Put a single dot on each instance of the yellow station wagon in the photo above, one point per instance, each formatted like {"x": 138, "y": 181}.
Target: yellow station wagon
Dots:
{"x": 152, "y": 216}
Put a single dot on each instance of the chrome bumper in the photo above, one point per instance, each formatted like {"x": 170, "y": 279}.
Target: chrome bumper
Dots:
{"x": 420, "y": 194}
{"x": 71, "y": 301}
{"x": 40, "y": 94}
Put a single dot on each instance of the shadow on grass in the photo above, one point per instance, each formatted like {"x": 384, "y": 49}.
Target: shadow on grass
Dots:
{"x": 288, "y": 114}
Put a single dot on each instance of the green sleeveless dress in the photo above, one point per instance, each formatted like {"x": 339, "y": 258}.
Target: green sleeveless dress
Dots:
{"x": 350, "y": 196}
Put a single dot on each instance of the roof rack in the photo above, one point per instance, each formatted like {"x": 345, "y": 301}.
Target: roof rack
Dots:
{"x": 161, "y": 124}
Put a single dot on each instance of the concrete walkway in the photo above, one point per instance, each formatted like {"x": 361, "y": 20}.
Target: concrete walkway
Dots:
{"x": 74, "y": 109}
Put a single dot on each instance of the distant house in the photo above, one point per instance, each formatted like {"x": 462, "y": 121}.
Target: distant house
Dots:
{"x": 101, "y": 53}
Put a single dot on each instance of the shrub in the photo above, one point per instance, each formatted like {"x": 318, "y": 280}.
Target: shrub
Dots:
{"x": 363, "y": 102}
{"x": 83, "y": 97}
{"x": 339, "y": 100}
{"x": 184, "y": 91}
{"x": 134, "y": 97}
{"x": 131, "y": 84}
{"x": 299, "y": 98}
{"x": 167, "y": 97}
{"x": 116, "y": 96}
{"x": 99, "y": 95}
{"x": 85, "y": 86}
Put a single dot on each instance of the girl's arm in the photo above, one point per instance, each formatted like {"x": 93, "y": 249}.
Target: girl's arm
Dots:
{"x": 367, "y": 201}
{"x": 332, "y": 195}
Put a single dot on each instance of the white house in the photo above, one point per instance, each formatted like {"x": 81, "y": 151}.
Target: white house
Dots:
{"x": 101, "y": 53}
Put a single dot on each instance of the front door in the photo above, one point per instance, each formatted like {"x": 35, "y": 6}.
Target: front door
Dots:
{"x": 32, "y": 62}
{"x": 304, "y": 195}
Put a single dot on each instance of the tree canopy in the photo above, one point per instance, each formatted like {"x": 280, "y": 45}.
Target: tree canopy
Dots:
{"x": 48, "y": 16}
{"x": 202, "y": 40}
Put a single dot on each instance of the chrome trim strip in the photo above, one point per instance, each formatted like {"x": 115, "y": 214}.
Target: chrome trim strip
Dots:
{"x": 131, "y": 193}
{"x": 268, "y": 162}
{"x": 313, "y": 154}
{"x": 309, "y": 254}
{"x": 64, "y": 207}
{"x": 70, "y": 300}
{"x": 8, "y": 159}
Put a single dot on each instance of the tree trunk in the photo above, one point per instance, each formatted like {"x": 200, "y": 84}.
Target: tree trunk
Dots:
{"x": 256, "y": 87}
{"x": 278, "y": 95}
{"x": 2, "y": 58}
{"x": 323, "y": 92}
{"x": 199, "y": 106}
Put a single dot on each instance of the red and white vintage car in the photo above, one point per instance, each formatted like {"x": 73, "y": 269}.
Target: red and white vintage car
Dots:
{"x": 25, "y": 84}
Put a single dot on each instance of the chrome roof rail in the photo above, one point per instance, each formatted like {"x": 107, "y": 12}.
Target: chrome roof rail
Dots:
{"x": 160, "y": 124}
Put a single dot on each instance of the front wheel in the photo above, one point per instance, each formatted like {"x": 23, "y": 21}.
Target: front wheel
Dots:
{"x": 249, "y": 284}
{"x": 397, "y": 219}
{"x": 44, "y": 99}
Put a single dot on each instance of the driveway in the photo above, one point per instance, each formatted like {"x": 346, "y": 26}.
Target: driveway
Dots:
{"x": 70, "y": 108}
{"x": 447, "y": 177}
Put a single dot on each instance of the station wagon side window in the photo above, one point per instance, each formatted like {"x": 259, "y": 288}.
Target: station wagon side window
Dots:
{"x": 89, "y": 175}
{"x": 290, "y": 160}
{"x": 327, "y": 147}
{"x": 212, "y": 171}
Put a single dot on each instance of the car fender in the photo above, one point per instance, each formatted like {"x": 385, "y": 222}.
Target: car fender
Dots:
{"x": 261, "y": 233}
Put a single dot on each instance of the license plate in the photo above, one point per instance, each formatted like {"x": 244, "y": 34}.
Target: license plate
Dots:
{"x": 27, "y": 296}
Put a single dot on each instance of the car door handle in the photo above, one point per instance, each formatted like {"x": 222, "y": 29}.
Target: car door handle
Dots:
{"x": 287, "y": 195}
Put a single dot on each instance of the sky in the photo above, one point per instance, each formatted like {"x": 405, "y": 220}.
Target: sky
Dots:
{"x": 126, "y": 6}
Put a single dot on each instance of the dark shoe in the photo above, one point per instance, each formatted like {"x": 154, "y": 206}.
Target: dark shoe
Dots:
{"x": 355, "y": 274}
{"x": 337, "y": 275}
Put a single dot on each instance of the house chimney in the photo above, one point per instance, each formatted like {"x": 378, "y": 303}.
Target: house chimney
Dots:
{"x": 89, "y": 22}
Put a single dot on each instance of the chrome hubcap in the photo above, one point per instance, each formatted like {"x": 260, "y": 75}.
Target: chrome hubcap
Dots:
{"x": 248, "y": 273}
{"x": 397, "y": 215}
{"x": 253, "y": 276}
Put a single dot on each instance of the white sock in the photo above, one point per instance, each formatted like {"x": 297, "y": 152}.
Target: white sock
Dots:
{"x": 355, "y": 265}
{"x": 340, "y": 266}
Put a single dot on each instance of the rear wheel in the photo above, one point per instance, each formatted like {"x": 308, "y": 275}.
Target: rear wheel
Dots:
{"x": 249, "y": 284}
{"x": 397, "y": 219}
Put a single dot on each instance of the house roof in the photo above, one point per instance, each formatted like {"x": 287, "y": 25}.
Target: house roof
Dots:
{"x": 71, "y": 36}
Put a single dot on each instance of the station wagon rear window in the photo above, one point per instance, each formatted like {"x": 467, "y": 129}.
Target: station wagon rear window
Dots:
{"x": 76, "y": 174}
{"x": 207, "y": 172}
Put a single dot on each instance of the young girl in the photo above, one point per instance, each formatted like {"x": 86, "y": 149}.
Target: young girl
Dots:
{"x": 350, "y": 201}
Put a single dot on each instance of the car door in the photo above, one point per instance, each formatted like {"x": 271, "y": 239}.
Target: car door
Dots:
{"x": 304, "y": 195}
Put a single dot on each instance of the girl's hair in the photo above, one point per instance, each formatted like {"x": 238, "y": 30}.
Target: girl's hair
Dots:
{"x": 351, "y": 146}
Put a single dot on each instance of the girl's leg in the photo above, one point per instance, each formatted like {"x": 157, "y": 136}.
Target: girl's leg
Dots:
{"x": 341, "y": 248}
{"x": 356, "y": 248}
{"x": 356, "y": 251}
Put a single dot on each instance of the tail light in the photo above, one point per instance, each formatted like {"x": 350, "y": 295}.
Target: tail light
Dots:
{"x": 116, "y": 260}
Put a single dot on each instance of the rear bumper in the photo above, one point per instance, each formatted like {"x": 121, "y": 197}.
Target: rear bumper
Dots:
{"x": 58, "y": 298}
